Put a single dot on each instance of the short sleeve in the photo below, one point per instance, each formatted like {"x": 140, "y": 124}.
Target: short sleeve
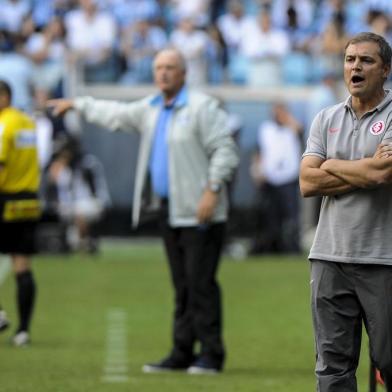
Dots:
{"x": 315, "y": 144}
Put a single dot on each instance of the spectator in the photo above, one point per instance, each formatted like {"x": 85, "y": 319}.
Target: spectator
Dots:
{"x": 264, "y": 47}
{"x": 217, "y": 56}
{"x": 351, "y": 14}
{"x": 43, "y": 11}
{"x": 49, "y": 128}
{"x": 139, "y": 45}
{"x": 327, "y": 49}
{"x": 91, "y": 38}
{"x": 193, "y": 45}
{"x": 44, "y": 129}
{"x": 19, "y": 203}
{"x": 17, "y": 71}
{"x": 27, "y": 29}
{"x": 128, "y": 12}
{"x": 47, "y": 51}
{"x": 297, "y": 64}
{"x": 196, "y": 10}
{"x": 329, "y": 11}
{"x": 260, "y": 39}
{"x": 275, "y": 170}
{"x": 231, "y": 24}
{"x": 185, "y": 158}
{"x": 298, "y": 31}
{"x": 380, "y": 23}
{"x": 12, "y": 14}
{"x": 356, "y": 16}
{"x": 379, "y": 5}
{"x": 78, "y": 183}
{"x": 281, "y": 13}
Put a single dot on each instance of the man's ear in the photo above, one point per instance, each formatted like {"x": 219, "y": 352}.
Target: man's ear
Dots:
{"x": 387, "y": 71}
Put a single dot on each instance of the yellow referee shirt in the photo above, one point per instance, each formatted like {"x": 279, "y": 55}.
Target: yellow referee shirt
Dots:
{"x": 18, "y": 153}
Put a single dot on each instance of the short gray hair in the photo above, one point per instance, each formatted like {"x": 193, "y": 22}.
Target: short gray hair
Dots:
{"x": 385, "y": 49}
{"x": 180, "y": 56}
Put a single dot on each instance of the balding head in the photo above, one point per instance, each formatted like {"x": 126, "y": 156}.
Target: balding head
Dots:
{"x": 174, "y": 54}
{"x": 169, "y": 72}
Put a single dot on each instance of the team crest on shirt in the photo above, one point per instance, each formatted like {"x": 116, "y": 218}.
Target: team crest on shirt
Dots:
{"x": 377, "y": 128}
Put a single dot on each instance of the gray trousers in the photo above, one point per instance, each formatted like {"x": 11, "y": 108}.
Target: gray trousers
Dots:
{"x": 343, "y": 297}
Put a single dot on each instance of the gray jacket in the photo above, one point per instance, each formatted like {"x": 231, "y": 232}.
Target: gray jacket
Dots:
{"x": 200, "y": 147}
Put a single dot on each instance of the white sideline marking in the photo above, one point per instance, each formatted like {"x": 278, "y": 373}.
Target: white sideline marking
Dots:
{"x": 5, "y": 268}
{"x": 114, "y": 379}
{"x": 115, "y": 369}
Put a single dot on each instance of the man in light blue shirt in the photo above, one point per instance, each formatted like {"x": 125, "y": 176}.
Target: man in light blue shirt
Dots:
{"x": 159, "y": 160}
{"x": 186, "y": 157}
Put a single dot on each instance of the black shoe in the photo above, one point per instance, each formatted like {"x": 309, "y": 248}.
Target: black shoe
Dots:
{"x": 204, "y": 366}
{"x": 168, "y": 364}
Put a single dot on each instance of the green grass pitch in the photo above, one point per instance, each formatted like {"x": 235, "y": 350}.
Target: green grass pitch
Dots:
{"x": 267, "y": 326}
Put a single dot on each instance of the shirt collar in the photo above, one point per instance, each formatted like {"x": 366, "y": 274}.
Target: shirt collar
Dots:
{"x": 181, "y": 99}
{"x": 387, "y": 99}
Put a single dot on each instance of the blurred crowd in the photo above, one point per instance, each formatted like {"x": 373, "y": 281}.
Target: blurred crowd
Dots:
{"x": 255, "y": 42}
{"x": 260, "y": 43}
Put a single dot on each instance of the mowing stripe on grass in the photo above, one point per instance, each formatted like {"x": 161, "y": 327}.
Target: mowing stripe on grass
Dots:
{"x": 5, "y": 268}
{"x": 116, "y": 361}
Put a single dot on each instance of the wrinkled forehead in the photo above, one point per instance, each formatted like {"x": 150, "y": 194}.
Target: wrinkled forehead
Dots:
{"x": 364, "y": 48}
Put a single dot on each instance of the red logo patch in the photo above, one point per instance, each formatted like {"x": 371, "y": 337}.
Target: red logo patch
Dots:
{"x": 377, "y": 128}
{"x": 333, "y": 130}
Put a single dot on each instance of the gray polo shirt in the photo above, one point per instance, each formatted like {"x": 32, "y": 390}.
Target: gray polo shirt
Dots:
{"x": 355, "y": 227}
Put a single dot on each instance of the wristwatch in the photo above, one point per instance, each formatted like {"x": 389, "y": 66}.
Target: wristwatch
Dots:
{"x": 214, "y": 187}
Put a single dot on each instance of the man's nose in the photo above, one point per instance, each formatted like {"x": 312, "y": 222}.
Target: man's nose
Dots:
{"x": 357, "y": 64}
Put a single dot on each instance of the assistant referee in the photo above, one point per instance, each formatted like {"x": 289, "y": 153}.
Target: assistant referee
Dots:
{"x": 19, "y": 203}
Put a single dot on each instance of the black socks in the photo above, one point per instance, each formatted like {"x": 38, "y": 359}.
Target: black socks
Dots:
{"x": 25, "y": 297}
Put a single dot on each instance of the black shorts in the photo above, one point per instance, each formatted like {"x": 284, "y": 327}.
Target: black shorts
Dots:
{"x": 17, "y": 235}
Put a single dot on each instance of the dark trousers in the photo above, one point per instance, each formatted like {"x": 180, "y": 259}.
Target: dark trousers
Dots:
{"x": 279, "y": 214}
{"x": 344, "y": 296}
{"x": 193, "y": 254}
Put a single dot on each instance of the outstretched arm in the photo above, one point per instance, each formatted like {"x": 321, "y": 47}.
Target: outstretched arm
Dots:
{"x": 110, "y": 114}
{"x": 60, "y": 106}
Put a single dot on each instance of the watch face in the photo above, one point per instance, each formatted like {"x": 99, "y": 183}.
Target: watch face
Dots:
{"x": 215, "y": 187}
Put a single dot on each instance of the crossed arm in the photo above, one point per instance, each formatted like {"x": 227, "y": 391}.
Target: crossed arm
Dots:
{"x": 330, "y": 177}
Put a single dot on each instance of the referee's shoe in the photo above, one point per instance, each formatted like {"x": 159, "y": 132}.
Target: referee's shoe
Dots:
{"x": 4, "y": 323}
